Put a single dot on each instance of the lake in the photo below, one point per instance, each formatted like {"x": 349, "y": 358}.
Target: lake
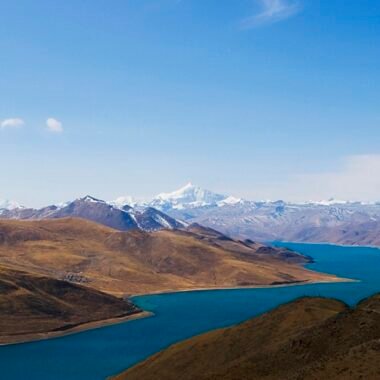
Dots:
{"x": 98, "y": 353}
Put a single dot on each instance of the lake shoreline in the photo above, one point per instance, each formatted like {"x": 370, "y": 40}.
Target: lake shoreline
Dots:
{"x": 86, "y": 326}
{"x": 323, "y": 243}
{"x": 283, "y": 285}
{"x": 35, "y": 337}
{"x": 177, "y": 317}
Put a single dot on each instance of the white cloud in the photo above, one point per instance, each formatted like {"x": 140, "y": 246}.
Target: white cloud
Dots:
{"x": 272, "y": 11}
{"x": 54, "y": 125}
{"x": 12, "y": 123}
{"x": 357, "y": 179}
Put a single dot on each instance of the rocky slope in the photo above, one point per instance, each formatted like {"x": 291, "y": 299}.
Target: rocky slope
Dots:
{"x": 122, "y": 218}
{"x": 367, "y": 234}
{"x": 310, "y": 338}
{"x": 345, "y": 224}
{"x": 137, "y": 262}
{"x": 32, "y": 305}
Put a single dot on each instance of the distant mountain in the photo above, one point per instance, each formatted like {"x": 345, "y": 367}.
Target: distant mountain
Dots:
{"x": 187, "y": 197}
{"x": 124, "y": 218}
{"x": 348, "y": 223}
{"x": 127, "y": 200}
{"x": 350, "y": 233}
{"x": 332, "y": 220}
{"x": 8, "y": 205}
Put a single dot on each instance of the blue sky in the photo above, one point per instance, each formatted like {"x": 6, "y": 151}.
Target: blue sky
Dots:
{"x": 261, "y": 99}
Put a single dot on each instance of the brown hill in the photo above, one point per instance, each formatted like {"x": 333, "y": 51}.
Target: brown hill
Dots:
{"x": 138, "y": 262}
{"x": 310, "y": 338}
{"x": 31, "y": 306}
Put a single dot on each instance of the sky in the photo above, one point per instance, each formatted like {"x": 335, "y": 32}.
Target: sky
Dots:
{"x": 263, "y": 99}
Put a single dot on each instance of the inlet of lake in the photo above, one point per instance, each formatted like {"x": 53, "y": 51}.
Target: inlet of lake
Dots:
{"x": 98, "y": 353}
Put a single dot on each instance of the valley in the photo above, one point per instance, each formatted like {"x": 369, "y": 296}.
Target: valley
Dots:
{"x": 120, "y": 250}
{"x": 80, "y": 265}
{"x": 190, "y": 190}
{"x": 106, "y": 351}
{"x": 59, "y": 275}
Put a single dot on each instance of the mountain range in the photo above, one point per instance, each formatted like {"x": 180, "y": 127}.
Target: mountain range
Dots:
{"x": 122, "y": 218}
{"x": 354, "y": 223}
{"x": 333, "y": 221}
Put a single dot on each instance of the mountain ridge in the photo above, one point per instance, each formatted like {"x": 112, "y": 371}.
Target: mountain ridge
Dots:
{"x": 122, "y": 218}
{"x": 332, "y": 221}
{"x": 140, "y": 262}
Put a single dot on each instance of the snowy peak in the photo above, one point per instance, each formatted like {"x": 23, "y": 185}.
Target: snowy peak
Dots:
{"x": 90, "y": 199}
{"x": 9, "y": 205}
{"x": 229, "y": 201}
{"x": 331, "y": 202}
{"x": 189, "y": 190}
{"x": 185, "y": 198}
{"x": 126, "y": 200}
{"x": 188, "y": 196}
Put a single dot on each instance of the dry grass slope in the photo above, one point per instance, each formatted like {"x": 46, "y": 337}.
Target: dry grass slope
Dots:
{"x": 31, "y": 304}
{"x": 310, "y": 338}
{"x": 137, "y": 262}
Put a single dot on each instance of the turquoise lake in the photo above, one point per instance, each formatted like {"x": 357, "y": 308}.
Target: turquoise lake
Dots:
{"x": 99, "y": 353}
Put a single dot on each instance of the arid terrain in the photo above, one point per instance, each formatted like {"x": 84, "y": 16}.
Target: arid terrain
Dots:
{"x": 32, "y": 305}
{"x": 310, "y": 338}
{"x": 138, "y": 262}
{"x": 56, "y": 275}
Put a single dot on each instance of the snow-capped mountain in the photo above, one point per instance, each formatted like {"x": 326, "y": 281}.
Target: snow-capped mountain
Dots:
{"x": 331, "y": 220}
{"x": 266, "y": 220}
{"x": 329, "y": 202}
{"x": 186, "y": 197}
{"x": 121, "y": 218}
{"x": 8, "y": 205}
{"x": 230, "y": 200}
{"x": 126, "y": 200}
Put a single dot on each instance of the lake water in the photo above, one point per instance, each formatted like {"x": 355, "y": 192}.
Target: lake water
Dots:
{"x": 99, "y": 353}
